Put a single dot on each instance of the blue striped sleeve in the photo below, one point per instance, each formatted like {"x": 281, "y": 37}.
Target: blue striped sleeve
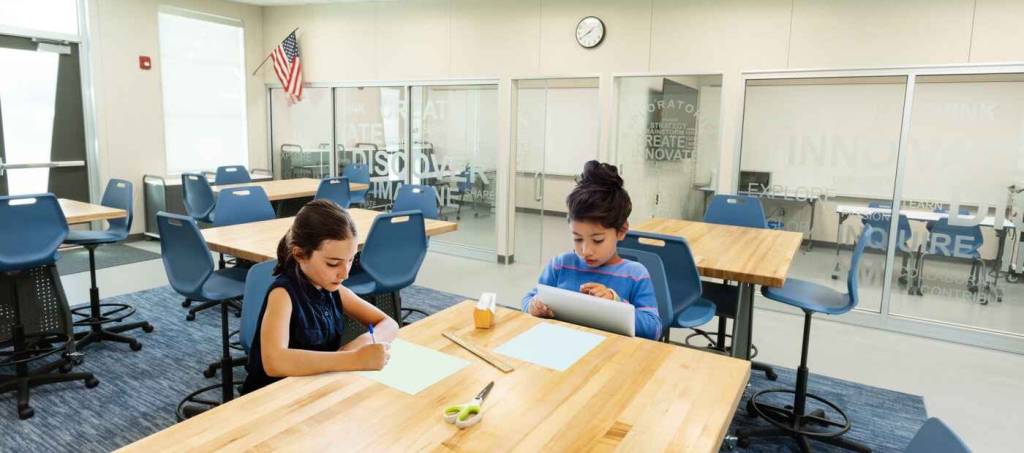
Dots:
{"x": 648, "y": 322}
{"x": 547, "y": 277}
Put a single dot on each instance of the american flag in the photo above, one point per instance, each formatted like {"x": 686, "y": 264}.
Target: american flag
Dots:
{"x": 288, "y": 67}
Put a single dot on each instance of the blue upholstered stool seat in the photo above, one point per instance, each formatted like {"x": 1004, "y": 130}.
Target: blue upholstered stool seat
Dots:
{"x": 810, "y": 296}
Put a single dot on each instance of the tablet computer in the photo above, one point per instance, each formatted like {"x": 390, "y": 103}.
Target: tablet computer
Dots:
{"x": 586, "y": 310}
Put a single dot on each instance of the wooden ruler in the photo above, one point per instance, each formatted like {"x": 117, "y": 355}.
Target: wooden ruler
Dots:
{"x": 479, "y": 352}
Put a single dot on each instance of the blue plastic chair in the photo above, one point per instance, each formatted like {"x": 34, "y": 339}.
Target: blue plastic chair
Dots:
{"x": 357, "y": 173}
{"x": 737, "y": 210}
{"x": 190, "y": 272}
{"x": 257, "y": 284}
{"x": 689, "y": 309}
{"x": 391, "y": 258}
{"x": 197, "y": 197}
{"x": 414, "y": 197}
{"x": 242, "y": 205}
{"x": 31, "y": 229}
{"x": 232, "y": 174}
{"x": 879, "y": 239}
{"x": 336, "y": 190}
{"x": 935, "y": 437}
{"x": 954, "y": 241}
{"x": 794, "y": 420}
{"x": 118, "y": 194}
{"x": 656, "y": 269}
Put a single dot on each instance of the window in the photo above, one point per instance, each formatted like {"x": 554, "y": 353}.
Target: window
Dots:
{"x": 203, "y": 69}
{"x": 53, "y": 16}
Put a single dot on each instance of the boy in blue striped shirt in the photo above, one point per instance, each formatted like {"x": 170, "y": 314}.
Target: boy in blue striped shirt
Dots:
{"x": 599, "y": 209}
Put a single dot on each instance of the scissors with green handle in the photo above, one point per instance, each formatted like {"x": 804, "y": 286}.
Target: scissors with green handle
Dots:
{"x": 466, "y": 415}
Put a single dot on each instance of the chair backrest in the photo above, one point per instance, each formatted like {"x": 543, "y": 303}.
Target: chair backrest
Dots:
{"x": 118, "y": 194}
{"x": 336, "y": 190}
{"x": 413, "y": 197}
{"x": 359, "y": 173}
{"x": 394, "y": 249}
{"x": 186, "y": 257}
{"x": 737, "y": 210}
{"x": 680, "y": 268}
{"x": 851, "y": 275}
{"x": 658, "y": 279}
{"x": 31, "y": 229}
{"x": 242, "y": 205}
{"x": 935, "y": 437}
{"x": 197, "y": 195}
{"x": 257, "y": 283}
{"x": 954, "y": 240}
{"x": 232, "y": 174}
{"x": 880, "y": 224}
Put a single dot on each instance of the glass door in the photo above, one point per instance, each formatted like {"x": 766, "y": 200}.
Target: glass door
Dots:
{"x": 371, "y": 128}
{"x": 32, "y": 158}
{"x": 556, "y": 130}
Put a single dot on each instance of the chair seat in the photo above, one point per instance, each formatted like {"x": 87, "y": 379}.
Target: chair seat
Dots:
{"x": 696, "y": 314}
{"x": 86, "y": 237}
{"x": 224, "y": 284}
{"x": 361, "y": 283}
{"x": 810, "y": 297}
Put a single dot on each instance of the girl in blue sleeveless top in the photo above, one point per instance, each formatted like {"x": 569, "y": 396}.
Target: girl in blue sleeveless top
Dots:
{"x": 299, "y": 330}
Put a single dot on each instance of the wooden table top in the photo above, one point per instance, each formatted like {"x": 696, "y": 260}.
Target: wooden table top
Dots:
{"x": 286, "y": 189}
{"x": 257, "y": 241}
{"x": 81, "y": 212}
{"x": 626, "y": 394}
{"x": 748, "y": 255}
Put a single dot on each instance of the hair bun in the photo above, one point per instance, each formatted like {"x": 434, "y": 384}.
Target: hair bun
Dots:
{"x": 601, "y": 174}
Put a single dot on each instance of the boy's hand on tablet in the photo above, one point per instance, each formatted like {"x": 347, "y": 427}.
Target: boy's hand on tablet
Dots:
{"x": 598, "y": 290}
{"x": 373, "y": 356}
{"x": 538, "y": 309}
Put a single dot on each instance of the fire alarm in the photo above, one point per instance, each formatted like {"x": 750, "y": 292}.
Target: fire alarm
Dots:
{"x": 144, "y": 63}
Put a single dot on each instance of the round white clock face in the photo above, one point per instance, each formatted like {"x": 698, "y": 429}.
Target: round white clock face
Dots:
{"x": 589, "y": 32}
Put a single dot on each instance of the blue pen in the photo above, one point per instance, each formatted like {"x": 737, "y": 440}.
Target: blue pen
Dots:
{"x": 374, "y": 340}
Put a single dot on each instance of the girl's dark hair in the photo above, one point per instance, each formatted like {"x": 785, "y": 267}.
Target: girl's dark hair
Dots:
{"x": 317, "y": 221}
{"x": 599, "y": 197}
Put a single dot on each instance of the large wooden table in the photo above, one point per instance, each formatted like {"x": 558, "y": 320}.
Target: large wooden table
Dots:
{"x": 257, "y": 241}
{"x": 286, "y": 189}
{"x": 750, "y": 256}
{"x": 627, "y": 394}
{"x": 81, "y": 212}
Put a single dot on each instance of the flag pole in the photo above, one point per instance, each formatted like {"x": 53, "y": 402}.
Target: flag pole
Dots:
{"x": 268, "y": 56}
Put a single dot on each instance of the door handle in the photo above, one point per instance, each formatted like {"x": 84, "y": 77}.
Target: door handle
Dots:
{"x": 536, "y": 187}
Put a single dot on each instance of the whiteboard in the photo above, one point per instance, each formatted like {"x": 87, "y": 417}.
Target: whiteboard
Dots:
{"x": 557, "y": 129}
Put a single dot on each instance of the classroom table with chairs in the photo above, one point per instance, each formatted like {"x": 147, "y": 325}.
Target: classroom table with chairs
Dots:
{"x": 286, "y": 189}
{"x": 625, "y": 394}
{"x": 749, "y": 256}
{"x": 82, "y": 212}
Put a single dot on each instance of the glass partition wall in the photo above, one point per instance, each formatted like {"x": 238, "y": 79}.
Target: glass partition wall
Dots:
{"x": 440, "y": 135}
{"x": 932, "y": 157}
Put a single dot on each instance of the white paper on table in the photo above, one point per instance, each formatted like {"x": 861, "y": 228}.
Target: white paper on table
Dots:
{"x": 413, "y": 368}
{"x": 551, "y": 346}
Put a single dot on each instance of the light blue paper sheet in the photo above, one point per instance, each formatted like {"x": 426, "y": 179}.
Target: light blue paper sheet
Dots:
{"x": 551, "y": 346}
{"x": 413, "y": 368}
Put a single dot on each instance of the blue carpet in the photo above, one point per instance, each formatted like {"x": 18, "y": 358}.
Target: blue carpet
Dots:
{"x": 138, "y": 391}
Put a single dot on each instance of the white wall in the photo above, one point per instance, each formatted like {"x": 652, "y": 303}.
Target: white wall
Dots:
{"x": 128, "y": 101}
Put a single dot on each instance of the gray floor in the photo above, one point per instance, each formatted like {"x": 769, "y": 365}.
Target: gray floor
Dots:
{"x": 977, "y": 391}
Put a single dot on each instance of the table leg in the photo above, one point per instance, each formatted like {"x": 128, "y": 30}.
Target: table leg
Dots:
{"x": 744, "y": 322}
{"x": 999, "y": 264}
{"x": 842, "y": 218}
{"x": 810, "y": 229}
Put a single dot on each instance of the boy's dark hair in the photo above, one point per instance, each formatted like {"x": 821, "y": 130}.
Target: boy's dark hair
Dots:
{"x": 599, "y": 197}
{"x": 317, "y": 221}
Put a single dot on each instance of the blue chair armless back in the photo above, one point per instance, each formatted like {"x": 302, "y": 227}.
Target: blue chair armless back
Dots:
{"x": 658, "y": 279}
{"x": 358, "y": 173}
{"x": 242, "y": 205}
{"x": 677, "y": 258}
{"x": 880, "y": 224}
{"x": 186, "y": 257}
{"x": 737, "y": 210}
{"x": 197, "y": 195}
{"x": 257, "y": 284}
{"x": 954, "y": 240}
{"x": 936, "y": 437}
{"x": 336, "y": 190}
{"x": 394, "y": 249}
{"x": 851, "y": 275}
{"x": 31, "y": 229}
{"x": 118, "y": 194}
{"x": 465, "y": 182}
{"x": 413, "y": 197}
{"x": 232, "y": 174}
